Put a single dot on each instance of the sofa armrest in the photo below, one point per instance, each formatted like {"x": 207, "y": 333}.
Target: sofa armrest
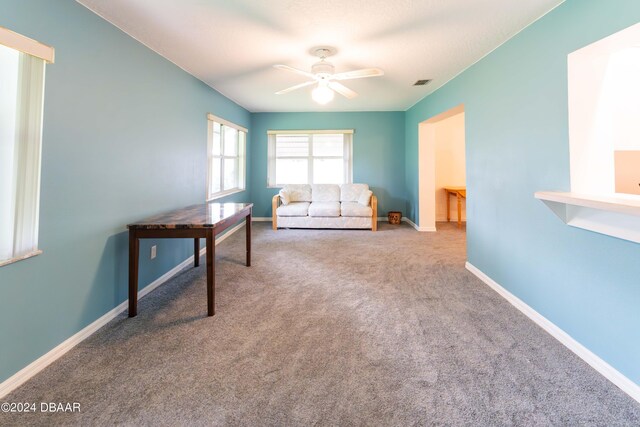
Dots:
{"x": 275, "y": 202}
{"x": 374, "y": 208}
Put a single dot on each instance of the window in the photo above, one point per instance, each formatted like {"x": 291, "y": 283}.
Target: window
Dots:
{"x": 309, "y": 157}
{"x": 604, "y": 138}
{"x": 22, "y": 65}
{"x": 604, "y": 130}
{"x": 226, "y": 153}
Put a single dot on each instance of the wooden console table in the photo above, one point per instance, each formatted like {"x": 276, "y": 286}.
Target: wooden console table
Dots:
{"x": 460, "y": 193}
{"x": 195, "y": 222}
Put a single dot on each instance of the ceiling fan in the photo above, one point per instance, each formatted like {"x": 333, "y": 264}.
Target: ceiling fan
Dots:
{"x": 322, "y": 74}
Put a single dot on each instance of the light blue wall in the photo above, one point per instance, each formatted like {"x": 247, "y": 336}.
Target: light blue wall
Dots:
{"x": 378, "y": 152}
{"x": 124, "y": 137}
{"x": 517, "y": 143}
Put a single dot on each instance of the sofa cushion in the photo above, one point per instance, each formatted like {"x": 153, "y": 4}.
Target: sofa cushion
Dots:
{"x": 351, "y": 192}
{"x": 324, "y": 209}
{"x": 365, "y": 198}
{"x": 325, "y": 193}
{"x": 355, "y": 209}
{"x": 298, "y": 192}
{"x": 284, "y": 197}
{"x": 293, "y": 209}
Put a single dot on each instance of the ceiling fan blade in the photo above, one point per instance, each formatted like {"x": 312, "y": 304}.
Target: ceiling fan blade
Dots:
{"x": 358, "y": 74}
{"x": 343, "y": 90}
{"x": 295, "y": 70}
{"x": 292, "y": 88}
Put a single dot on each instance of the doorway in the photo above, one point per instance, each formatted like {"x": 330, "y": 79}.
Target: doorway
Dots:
{"x": 442, "y": 163}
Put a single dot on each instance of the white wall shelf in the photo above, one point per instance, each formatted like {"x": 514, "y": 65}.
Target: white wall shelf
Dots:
{"x": 614, "y": 216}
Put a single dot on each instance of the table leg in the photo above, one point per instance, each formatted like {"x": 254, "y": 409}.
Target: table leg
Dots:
{"x": 459, "y": 210}
{"x": 211, "y": 272}
{"x": 134, "y": 250}
{"x": 196, "y": 252}
{"x": 448, "y": 207}
{"x": 248, "y": 227}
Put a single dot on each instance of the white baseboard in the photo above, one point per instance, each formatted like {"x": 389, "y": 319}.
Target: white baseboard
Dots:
{"x": 608, "y": 371}
{"x": 26, "y": 373}
{"x": 411, "y": 223}
{"x": 414, "y": 225}
{"x": 261, "y": 219}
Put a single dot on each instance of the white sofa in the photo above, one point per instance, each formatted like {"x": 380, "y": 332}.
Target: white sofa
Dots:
{"x": 325, "y": 206}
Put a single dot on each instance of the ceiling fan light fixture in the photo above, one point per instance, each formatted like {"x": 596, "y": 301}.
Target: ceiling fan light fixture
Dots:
{"x": 328, "y": 81}
{"x": 322, "y": 94}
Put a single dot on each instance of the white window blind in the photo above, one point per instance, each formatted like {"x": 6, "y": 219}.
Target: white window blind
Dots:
{"x": 21, "y": 105}
{"x": 309, "y": 157}
{"x": 226, "y": 158}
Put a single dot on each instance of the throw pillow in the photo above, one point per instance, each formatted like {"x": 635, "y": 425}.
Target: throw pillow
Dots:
{"x": 365, "y": 197}
{"x": 284, "y": 197}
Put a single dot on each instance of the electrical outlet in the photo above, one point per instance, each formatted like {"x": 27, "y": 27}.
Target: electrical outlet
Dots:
{"x": 154, "y": 251}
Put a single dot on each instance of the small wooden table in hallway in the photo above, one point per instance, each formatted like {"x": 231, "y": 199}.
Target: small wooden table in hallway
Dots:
{"x": 198, "y": 221}
{"x": 460, "y": 193}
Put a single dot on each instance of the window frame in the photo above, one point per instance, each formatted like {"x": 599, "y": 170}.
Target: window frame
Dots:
{"x": 28, "y": 164}
{"x": 241, "y": 157}
{"x": 347, "y": 157}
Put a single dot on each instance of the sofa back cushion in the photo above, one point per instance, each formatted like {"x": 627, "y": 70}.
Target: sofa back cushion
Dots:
{"x": 325, "y": 193}
{"x": 298, "y": 192}
{"x": 351, "y": 192}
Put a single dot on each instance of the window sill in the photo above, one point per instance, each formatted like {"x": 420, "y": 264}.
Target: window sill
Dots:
{"x": 614, "y": 216}
{"x": 23, "y": 257}
{"x": 224, "y": 194}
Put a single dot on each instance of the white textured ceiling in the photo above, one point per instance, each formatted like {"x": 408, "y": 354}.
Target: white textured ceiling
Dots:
{"x": 231, "y": 45}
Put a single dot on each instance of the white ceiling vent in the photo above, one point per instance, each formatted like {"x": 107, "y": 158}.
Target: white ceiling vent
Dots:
{"x": 422, "y": 82}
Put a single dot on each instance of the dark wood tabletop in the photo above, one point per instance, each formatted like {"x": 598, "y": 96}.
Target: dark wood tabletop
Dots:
{"x": 204, "y": 215}
{"x": 203, "y": 221}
